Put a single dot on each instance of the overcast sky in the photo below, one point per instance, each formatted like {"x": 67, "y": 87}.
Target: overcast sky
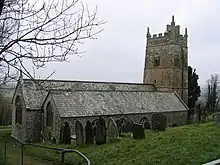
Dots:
{"x": 118, "y": 53}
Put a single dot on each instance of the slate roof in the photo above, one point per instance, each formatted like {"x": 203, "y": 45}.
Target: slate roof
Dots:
{"x": 90, "y": 103}
{"x": 35, "y": 92}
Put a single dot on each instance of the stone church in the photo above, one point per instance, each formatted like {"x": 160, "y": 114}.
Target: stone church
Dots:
{"x": 41, "y": 107}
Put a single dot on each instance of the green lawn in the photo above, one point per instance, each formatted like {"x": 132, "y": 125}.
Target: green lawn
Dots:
{"x": 191, "y": 144}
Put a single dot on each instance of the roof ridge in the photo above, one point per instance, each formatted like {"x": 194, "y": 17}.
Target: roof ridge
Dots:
{"x": 89, "y": 81}
{"x": 95, "y": 90}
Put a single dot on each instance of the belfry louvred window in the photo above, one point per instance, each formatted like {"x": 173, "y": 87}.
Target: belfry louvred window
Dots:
{"x": 157, "y": 61}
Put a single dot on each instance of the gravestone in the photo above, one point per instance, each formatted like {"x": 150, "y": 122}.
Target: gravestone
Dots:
{"x": 79, "y": 133}
{"x": 120, "y": 124}
{"x": 66, "y": 134}
{"x": 159, "y": 122}
{"x": 145, "y": 122}
{"x": 42, "y": 136}
{"x": 94, "y": 130}
{"x": 146, "y": 125}
{"x": 199, "y": 113}
{"x": 112, "y": 130}
{"x": 195, "y": 117}
{"x": 174, "y": 125}
{"x": 128, "y": 126}
{"x": 216, "y": 118}
{"x": 49, "y": 135}
{"x": 89, "y": 133}
{"x": 204, "y": 116}
{"x": 138, "y": 131}
{"x": 53, "y": 141}
{"x": 100, "y": 137}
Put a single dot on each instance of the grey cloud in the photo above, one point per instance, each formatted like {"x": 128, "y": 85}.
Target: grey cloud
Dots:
{"x": 119, "y": 52}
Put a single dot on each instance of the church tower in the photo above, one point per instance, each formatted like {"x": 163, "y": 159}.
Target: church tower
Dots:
{"x": 166, "y": 60}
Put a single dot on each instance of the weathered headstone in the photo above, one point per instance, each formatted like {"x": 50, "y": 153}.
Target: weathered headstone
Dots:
{"x": 100, "y": 137}
{"x": 174, "y": 125}
{"x": 159, "y": 122}
{"x": 146, "y": 125}
{"x": 138, "y": 131}
{"x": 128, "y": 127}
{"x": 79, "y": 133}
{"x": 66, "y": 134}
{"x": 199, "y": 113}
{"x": 49, "y": 135}
{"x": 145, "y": 122}
{"x": 112, "y": 130}
{"x": 89, "y": 133}
{"x": 204, "y": 116}
{"x": 53, "y": 141}
{"x": 120, "y": 124}
{"x": 195, "y": 117}
{"x": 216, "y": 118}
{"x": 94, "y": 130}
{"x": 42, "y": 136}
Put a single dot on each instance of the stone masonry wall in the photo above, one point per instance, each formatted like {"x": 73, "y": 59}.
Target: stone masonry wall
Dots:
{"x": 33, "y": 126}
{"x": 18, "y": 130}
{"x": 179, "y": 118}
{"x": 171, "y": 51}
{"x": 29, "y": 130}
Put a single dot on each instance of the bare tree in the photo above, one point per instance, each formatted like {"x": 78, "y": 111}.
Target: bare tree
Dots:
{"x": 212, "y": 93}
{"x": 42, "y": 31}
{"x": 1, "y": 5}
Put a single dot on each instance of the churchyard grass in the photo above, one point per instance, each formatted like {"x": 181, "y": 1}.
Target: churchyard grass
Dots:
{"x": 192, "y": 144}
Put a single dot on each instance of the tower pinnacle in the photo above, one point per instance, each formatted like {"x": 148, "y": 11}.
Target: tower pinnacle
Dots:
{"x": 186, "y": 32}
{"x": 148, "y": 32}
{"x": 173, "y": 22}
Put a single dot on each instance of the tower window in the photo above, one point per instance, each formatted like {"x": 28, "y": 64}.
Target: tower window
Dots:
{"x": 157, "y": 61}
{"x": 177, "y": 62}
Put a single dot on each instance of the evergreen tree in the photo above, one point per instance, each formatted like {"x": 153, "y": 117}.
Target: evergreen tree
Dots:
{"x": 193, "y": 89}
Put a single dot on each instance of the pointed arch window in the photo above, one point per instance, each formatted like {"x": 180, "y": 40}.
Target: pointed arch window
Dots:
{"x": 18, "y": 110}
{"x": 49, "y": 115}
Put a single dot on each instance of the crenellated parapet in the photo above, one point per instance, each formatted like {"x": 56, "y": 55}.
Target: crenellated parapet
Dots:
{"x": 170, "y": 36}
